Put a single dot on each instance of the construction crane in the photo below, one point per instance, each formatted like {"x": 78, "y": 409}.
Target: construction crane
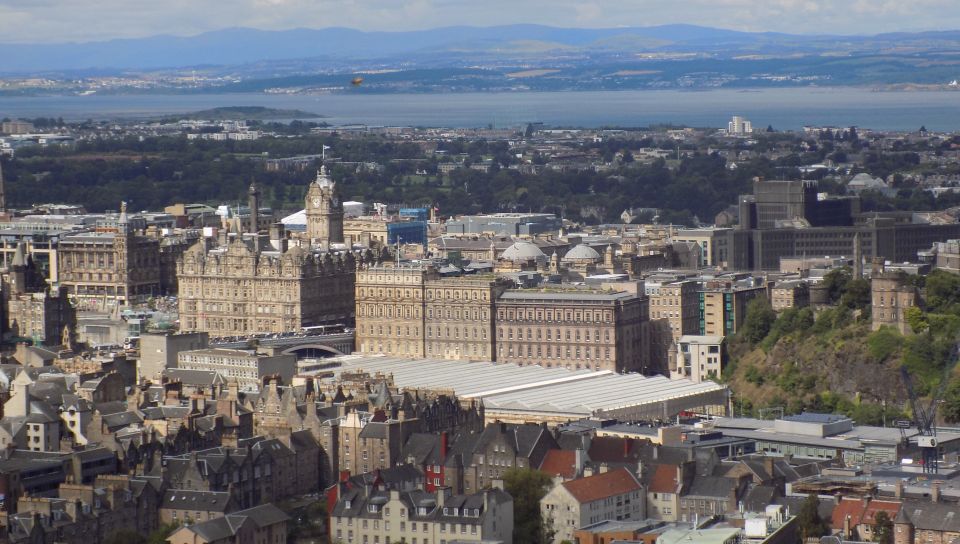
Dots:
{"x": 925, "y": 419}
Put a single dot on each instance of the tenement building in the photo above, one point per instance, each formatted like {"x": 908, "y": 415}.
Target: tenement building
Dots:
{"x": 245, "y": 285}
{"x": 572, "y": 329}
{"x": 409, "y": 310}
{"x": 112, "y": 263}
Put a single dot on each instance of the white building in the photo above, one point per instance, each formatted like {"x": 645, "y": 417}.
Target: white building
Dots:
{"x": 247, "y": 367}
{"x": 739, "y": 126}
{"x": 697, "y": 358}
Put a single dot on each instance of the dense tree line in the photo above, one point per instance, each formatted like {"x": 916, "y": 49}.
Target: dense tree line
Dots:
{"x": 154, "y": 172}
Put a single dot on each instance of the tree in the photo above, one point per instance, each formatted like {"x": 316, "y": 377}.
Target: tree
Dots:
{"x": 125, "y": 536}
{"x": 809, "y": 521}
{"x": 160, "y": 535}
{"x": 527, "y": 487}
{"x": 760, "y": 318}
{"x": 883, "y": 528}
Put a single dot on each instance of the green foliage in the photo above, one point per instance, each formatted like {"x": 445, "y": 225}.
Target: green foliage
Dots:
{"x": 125, "y": 536}
{"x": 160, "y": 535}
{"x": 856, "y": 295}
{"x": 916, "y": 319}
{"x": 883, "y": 528}
{"x": 809, "y": 521}
{"x": 836, "y": 282}
{"x": 759, "y": 321}
{"x": 950, "y": 409}
{"x": 753, "y": 375}
{"x": 831, "y": 319}
{"x": 527, "y": 487}
{"x": 883, "y": 343}
{"x": 790, "y": 321}
{"x": 792, "y": 380}
{"x": 943, "y": 292}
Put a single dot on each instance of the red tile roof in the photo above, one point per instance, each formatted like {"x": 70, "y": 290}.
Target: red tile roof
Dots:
{"x": 664, "y": 479}
{"x": 608, "y": 484}
{"x": 561, "y": 463}
{"x": 861, "y": 513}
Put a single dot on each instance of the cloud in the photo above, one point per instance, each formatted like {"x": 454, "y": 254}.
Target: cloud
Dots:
{"x": 88, "y": 20}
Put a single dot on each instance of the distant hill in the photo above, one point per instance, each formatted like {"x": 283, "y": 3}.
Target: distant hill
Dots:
{"x": 246, "y": 113}
{"x": 239, "y": 46}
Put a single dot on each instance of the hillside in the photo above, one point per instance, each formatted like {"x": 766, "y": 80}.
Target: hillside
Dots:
{"x": 831, "y": 361}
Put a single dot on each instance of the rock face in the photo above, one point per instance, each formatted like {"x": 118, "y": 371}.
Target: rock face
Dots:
{"x": 798, "y": 370}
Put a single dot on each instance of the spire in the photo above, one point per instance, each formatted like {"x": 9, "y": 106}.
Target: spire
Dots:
{"x": 254, "y": 205}
{"x": 3, "y": 196}
{"x": 20, "y": 255}
{"x": 123, "y": 222}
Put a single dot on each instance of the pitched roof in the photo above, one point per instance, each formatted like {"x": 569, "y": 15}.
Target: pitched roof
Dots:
{"x": 206, "y": 501}
{"x": 600, "y": 486}
{"x": 861, "y": 513}
{"x": 931, "y": 516}
{"x": 561, "y": 463}
{"x": 664, "y": 479}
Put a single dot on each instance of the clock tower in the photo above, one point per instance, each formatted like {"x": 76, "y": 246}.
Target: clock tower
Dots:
{"x": 324, "y": 211}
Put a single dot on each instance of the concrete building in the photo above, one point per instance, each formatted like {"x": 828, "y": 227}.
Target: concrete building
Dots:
{"x": 723, "y": 306}
{"x": 698, "y": 358}
{"x": 713, "y": 242}
{"x": 739, "y": 126}
{"x": 160, "y": 351}
{"x": 513, "y": 224}
{"x": 613, "y": 495}
{"x": 573, "y": 329}
{"x": 246, "y": 366}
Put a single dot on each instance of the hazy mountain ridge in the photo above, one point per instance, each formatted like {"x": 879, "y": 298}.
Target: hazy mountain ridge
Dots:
{"x": 239, "y": 46}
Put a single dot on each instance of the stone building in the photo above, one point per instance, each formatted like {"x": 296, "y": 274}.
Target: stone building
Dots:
{"x": 460, "y": 317}
{"x": 113, "y": 263}
{"x": 613, "y": 495}
{"x": 374, "y": 515}
{"x": 891, "y": 295}
{"x": 790, "y": 294}
{"x": 324, "y": 211}
{"x": 572, "y": 329}
{"x": 409, "y": 310}
{"x": 34, "y": 309}
{"x": 247, "y": 285}
{"x": 674, "y": 312}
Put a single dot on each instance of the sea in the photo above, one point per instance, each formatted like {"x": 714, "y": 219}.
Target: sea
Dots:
{"x": 781, "y": 108}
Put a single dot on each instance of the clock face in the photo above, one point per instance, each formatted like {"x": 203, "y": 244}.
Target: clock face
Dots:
{"x": 316, "y": 202}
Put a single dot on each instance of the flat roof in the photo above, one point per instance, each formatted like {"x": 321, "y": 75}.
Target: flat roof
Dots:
{"x": 532, "y": 388}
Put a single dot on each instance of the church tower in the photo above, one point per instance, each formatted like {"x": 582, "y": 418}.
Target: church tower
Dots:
{"x": 324, "y": 211}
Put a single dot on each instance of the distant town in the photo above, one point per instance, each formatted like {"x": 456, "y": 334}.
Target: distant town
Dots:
{"x": 222, "y": 328}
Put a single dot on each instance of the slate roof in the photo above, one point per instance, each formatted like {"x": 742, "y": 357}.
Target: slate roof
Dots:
{"x": 204, "y": 501}
{"x": 931, "y": 516}
{"x": 711, "y": 487}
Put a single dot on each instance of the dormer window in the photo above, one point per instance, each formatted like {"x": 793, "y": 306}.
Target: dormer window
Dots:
{"x": 373, "y": 509}
{"x": 446, "y": 511}
{"x": 422, "y": 511}
{"x": 346, "y": 503}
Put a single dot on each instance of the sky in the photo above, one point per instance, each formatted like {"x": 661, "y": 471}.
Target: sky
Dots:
{"x": 32, "y": 21}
